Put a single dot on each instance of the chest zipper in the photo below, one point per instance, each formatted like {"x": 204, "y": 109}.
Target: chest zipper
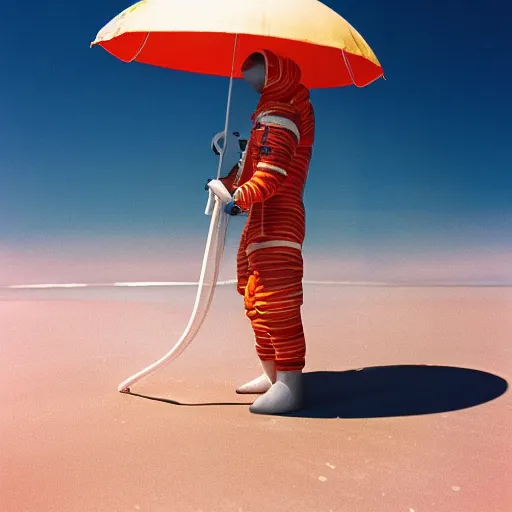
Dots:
{"x": 263, "y": 141}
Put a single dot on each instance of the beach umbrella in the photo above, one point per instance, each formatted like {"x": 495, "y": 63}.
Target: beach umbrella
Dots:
{"x": 214, "y": 38}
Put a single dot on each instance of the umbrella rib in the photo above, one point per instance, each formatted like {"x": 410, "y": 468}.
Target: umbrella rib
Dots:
{"x": 141, "y": 47}
{"x": 349, "y": 68}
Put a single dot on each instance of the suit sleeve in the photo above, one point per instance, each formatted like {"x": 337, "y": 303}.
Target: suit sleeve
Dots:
{"x": 276, "y": 148}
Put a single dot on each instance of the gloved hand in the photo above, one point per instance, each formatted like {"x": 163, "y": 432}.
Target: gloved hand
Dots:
{"x": 232, "y": 209}
{"x": 208, "y": 181}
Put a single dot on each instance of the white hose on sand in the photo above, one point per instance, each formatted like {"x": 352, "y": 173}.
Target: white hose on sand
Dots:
{"x": 207, "y": 282}
{"x": 212, "y": 258}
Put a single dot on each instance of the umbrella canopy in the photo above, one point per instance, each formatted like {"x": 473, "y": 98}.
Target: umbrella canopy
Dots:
{"x": 199, "y": 36}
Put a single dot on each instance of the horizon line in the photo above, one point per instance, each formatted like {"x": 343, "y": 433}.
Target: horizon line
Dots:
{"x": 150, "y": 284}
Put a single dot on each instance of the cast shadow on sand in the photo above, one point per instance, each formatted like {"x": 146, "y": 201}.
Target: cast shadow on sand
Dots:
{"x": 386, "y": 391}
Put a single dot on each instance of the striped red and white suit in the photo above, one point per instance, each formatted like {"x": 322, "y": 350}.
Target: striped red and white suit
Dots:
{"x": 270, "y": 183}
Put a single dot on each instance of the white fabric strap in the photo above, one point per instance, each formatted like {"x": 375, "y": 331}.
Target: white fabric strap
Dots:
{"x": 210, "y": 268}
{"x": 272, "y": 243}
{"x": 270, "y": 167}
{"x": 279, "y": 121}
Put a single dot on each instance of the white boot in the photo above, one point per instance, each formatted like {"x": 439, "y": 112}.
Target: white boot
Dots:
{"x": 262, "y": 383}
{"x": 286, "y": 395}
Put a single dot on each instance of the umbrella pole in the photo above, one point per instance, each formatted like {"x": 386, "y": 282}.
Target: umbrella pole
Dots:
{"x": 212, "y": 256}
{"x": 211, "y": 197}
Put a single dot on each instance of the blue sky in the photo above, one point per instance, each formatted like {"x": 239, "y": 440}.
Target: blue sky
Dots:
{"x": 90, "y": 145}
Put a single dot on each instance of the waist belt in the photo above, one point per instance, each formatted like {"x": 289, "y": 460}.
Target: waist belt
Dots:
{"x": 272, "y": 243}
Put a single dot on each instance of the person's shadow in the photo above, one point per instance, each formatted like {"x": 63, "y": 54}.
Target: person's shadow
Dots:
{"x": 386, "y": 391}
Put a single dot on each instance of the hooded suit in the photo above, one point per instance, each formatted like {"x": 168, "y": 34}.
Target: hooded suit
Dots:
{"x": 269, "y": 183}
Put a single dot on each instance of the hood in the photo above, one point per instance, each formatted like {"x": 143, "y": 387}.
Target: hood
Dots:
{"x": 282, "y": 79}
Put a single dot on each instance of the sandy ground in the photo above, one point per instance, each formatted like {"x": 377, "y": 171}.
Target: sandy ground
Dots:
{"x": 384, "y": 430}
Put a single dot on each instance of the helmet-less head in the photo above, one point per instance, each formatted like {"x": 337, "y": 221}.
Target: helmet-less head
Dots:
{"x": 254, "y": 71}
{"x": 275, "y": 77}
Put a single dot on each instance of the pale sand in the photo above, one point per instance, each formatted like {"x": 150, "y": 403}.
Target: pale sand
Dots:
{"x": 71, "y": 443}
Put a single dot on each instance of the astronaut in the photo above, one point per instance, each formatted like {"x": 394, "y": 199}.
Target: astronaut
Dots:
{"x": 268, "y": 184}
